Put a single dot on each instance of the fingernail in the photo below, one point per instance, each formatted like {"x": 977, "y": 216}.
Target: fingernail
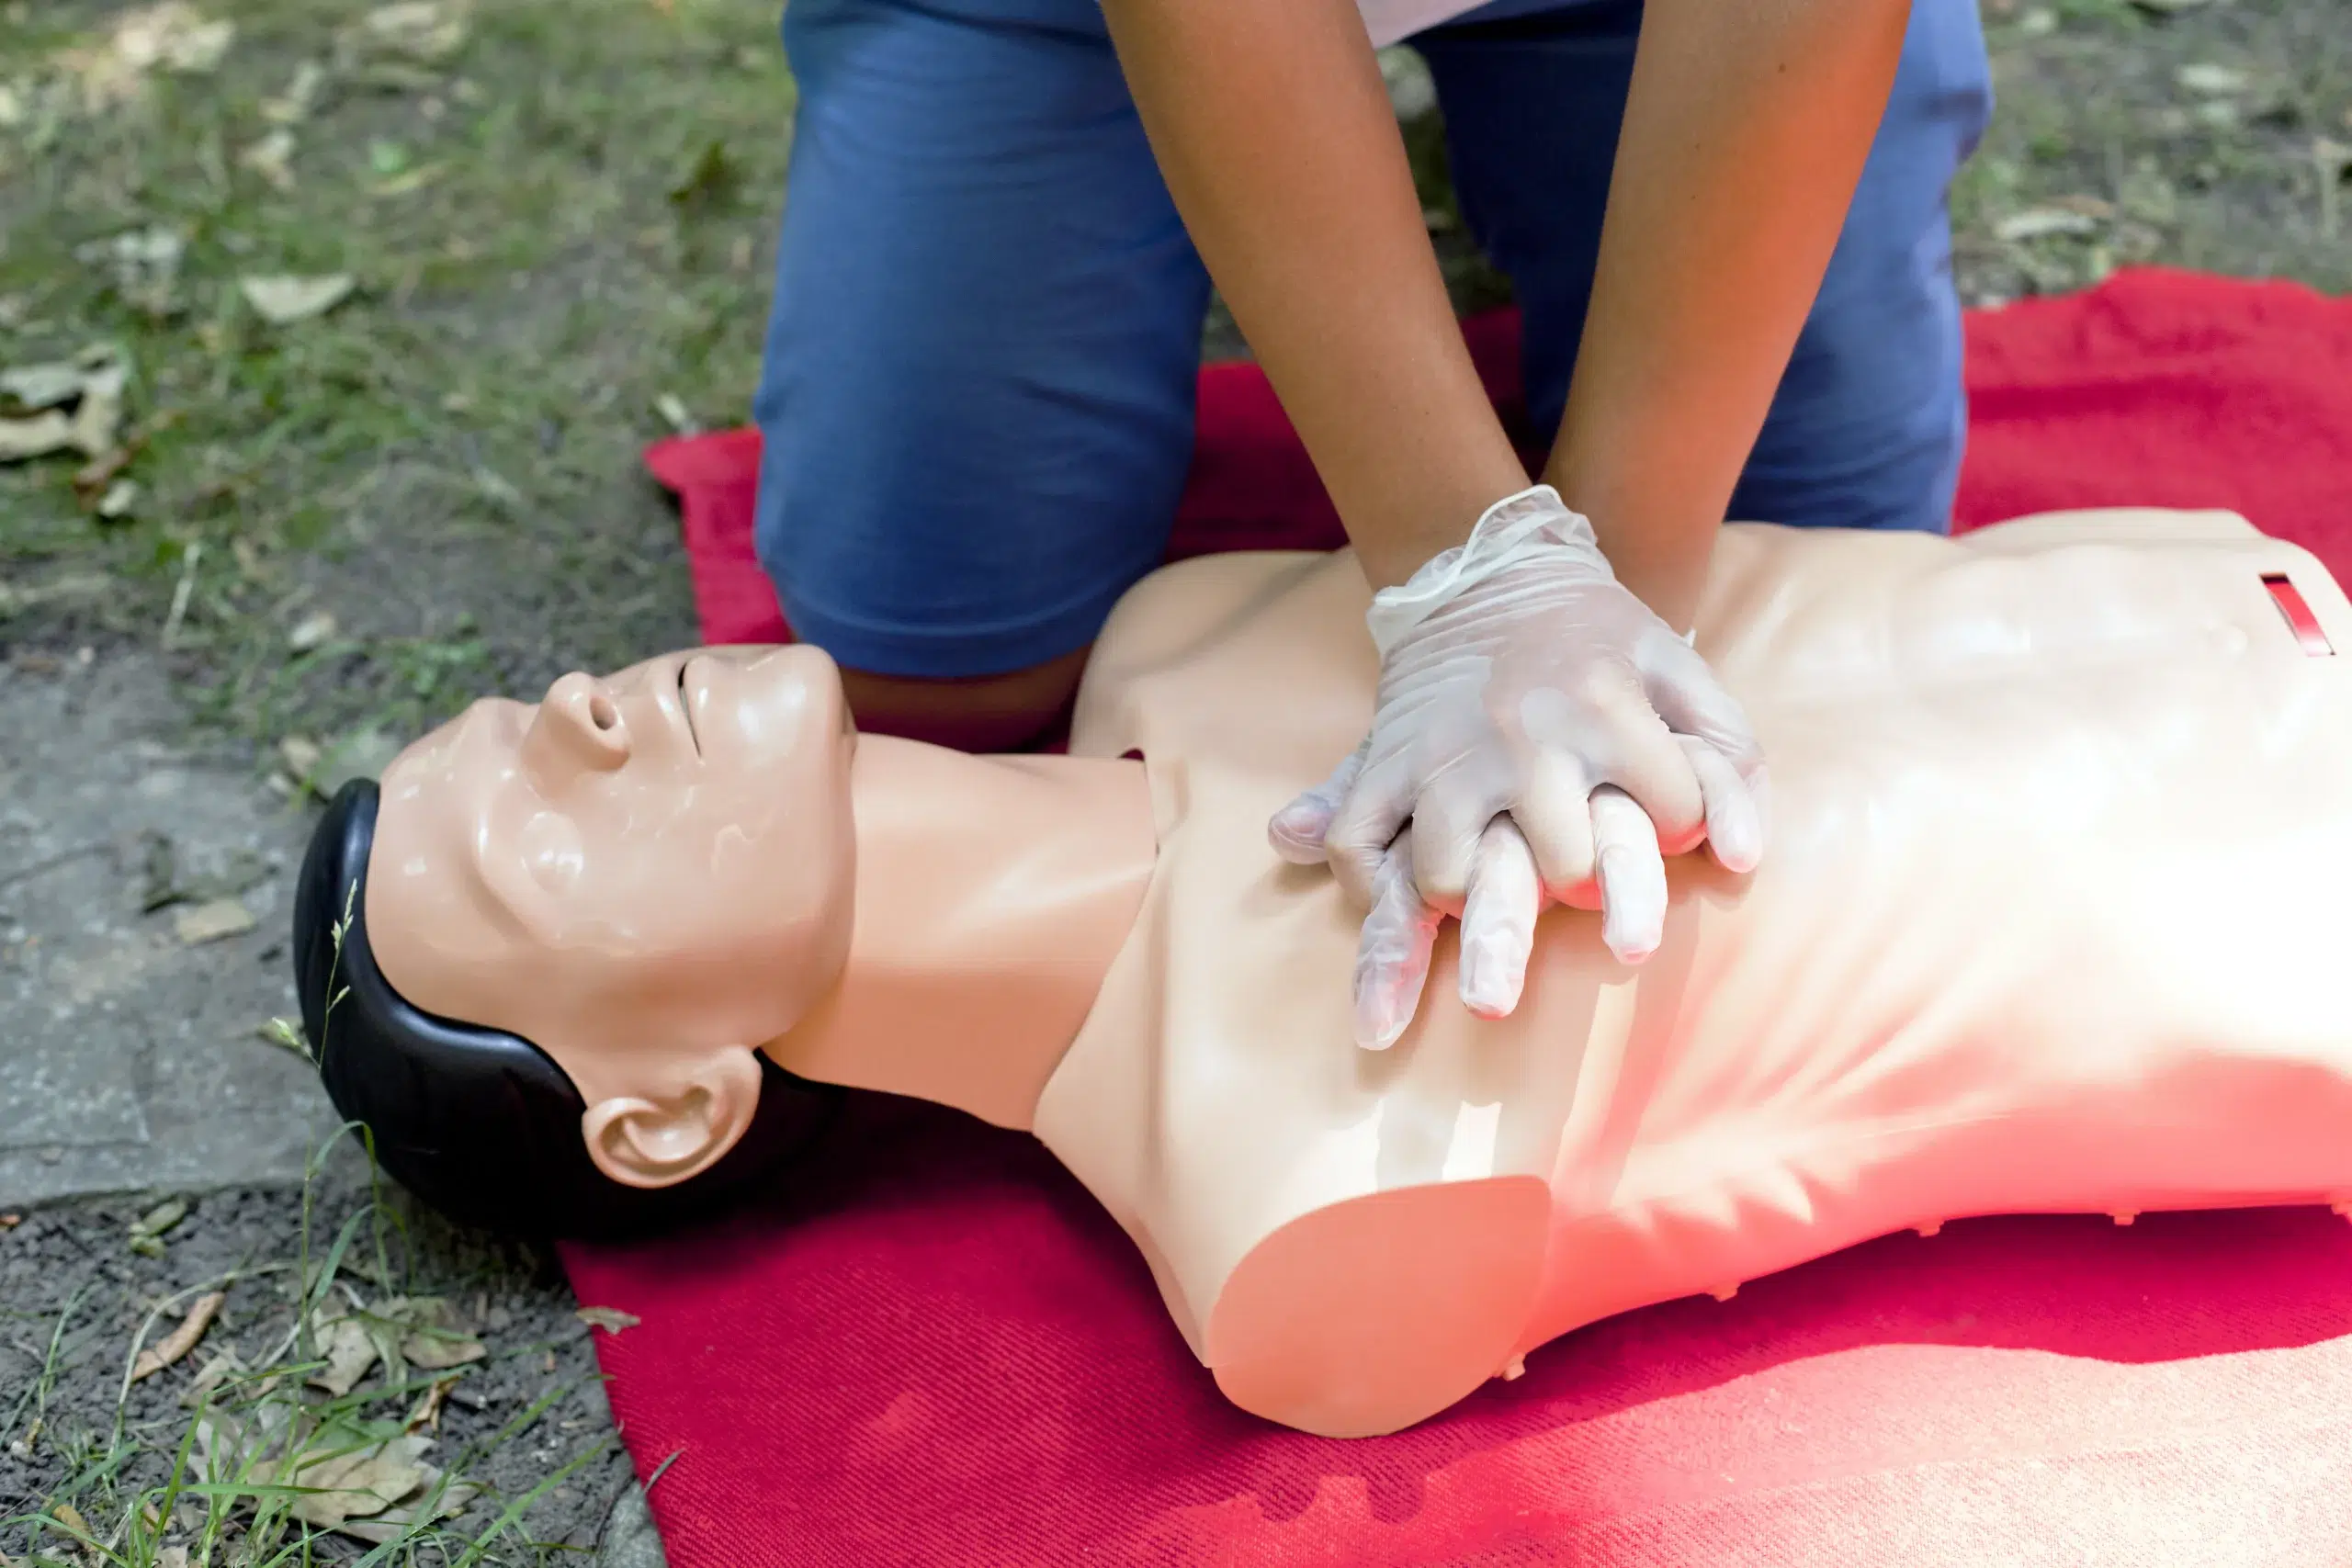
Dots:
{"x": 1486, "y": 988}
{"x": 1625, "y": 949}
{"x": 1740, "y": 850}
{"x": 1375, "y": 1030}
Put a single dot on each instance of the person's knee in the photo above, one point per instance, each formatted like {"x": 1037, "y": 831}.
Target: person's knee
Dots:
{"x": 989, "y": 713}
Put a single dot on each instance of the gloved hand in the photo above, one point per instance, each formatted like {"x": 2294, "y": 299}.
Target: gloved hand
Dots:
{"x": 1540, "y": 735}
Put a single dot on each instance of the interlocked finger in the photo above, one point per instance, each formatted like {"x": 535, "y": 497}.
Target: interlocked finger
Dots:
{"x": 1298, "y": 829}
{"x": 1684, "y": 691}
{"x": 1449, "y": 821}
{"x": 1498, "y": 920}
{"x": 1393, "y": 958}
{"x": 1735, "y": 812}
{"x": 1371, "y": 815}
{"x": 1633, "y": 875}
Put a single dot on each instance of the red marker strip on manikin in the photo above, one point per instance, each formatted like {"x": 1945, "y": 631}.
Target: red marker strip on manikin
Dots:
{"x": 2300, "y": 619}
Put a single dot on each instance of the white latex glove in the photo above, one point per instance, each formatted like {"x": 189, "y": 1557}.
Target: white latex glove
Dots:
{"x": 1540, "y": 735}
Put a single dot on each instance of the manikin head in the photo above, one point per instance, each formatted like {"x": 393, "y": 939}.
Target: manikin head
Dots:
{"x": 571, "y": 925}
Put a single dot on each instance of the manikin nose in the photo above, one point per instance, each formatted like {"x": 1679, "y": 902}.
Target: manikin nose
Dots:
{"x": 579, "y": 730}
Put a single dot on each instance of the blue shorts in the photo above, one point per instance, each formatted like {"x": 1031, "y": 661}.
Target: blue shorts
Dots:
{"x": 977, "y": 394}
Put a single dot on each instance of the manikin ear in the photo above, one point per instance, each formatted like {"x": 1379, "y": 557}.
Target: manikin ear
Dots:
{"x": 650, "y": 1142}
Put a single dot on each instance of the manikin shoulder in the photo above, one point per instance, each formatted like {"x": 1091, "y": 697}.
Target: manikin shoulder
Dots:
{"x": 1202, "y": 645}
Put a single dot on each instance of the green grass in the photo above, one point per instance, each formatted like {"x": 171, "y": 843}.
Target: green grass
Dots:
{"x": 2091, "y": 106}
{"x": 549, "y": 229}
{"x": 231, "y": 1474}
{"x": 568, "y": 220}
{"x": 221, "y": 1483}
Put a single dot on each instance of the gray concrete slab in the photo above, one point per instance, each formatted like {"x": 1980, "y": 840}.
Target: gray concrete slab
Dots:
{"x": 130, "y": 1058}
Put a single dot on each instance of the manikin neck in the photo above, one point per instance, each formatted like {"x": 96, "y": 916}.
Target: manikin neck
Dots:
{"x": 992, "y": 893}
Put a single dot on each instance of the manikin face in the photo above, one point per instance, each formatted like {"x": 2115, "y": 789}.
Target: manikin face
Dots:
{"x": 638, "y": 874}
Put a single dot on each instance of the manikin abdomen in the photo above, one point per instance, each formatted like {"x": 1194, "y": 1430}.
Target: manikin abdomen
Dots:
{"x": 2045, "y": 924}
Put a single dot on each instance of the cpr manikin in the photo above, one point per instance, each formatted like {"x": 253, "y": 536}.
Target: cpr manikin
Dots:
{"x": 2060, "y": 814}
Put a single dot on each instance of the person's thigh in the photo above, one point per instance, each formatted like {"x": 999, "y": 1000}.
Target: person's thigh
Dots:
{"x": 1867, "y": 427}
{"x": 977, "y": 391}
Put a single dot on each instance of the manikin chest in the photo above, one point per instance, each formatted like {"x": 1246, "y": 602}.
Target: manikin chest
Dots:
{"x": 2041, "y": 926}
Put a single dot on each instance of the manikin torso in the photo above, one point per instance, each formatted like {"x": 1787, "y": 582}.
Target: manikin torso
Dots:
{"x": 2044, "y": 924}
{"x": 2056, "y": 843}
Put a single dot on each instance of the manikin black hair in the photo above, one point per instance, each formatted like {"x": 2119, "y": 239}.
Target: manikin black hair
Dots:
{"x": 481, "y": 1125}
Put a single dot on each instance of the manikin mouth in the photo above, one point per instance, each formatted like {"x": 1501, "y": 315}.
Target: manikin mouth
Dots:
{"x": 686, "y": 708}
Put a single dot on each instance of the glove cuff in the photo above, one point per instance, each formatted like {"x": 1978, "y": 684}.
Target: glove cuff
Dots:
{"x": 1533, "y": 522}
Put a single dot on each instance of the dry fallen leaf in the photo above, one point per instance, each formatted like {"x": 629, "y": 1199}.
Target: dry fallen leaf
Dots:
{"x": 217, "y": 1369}
{"x": 434, "y": 1352}
{"x": 98, "y": 417}
{"x": 172, "y": 37}
{"x": 144, "y": 265}
{"x": 423, "y": 1331}
{"x": 310, "y": 632}
{"x": 31, "y": 389}
{"x": 393, "y": 1523}
{"x": 427, "y": 1410}
{"x": 426, "y": 30}
{"x": 612, "y": 1320}
{"x": 62, "y": 407}
{"x": 2204, "y": 76}
{"x": 201, "y": 923}
{"x": 171, "y": 1557}
{"x": 36, "y": 437}
{"x": 349, "y": 1351}
{"x": 284, "y": 301}
{"x": 117, "y": 500}
{"x": 2042, "y": 223}
{"x": 353, "y": 1486}
{"x": 300, "y": 96}
{"x": 272, "y": 158}
{"x": 180, "y": 1341}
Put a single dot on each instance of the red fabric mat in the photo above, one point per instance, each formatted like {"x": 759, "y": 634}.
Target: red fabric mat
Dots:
{"x": 2157, "y": 388}
{"x": 932, "y": 1347}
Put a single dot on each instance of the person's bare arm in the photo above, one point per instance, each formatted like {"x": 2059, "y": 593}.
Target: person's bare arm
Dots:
{"x": 1274, "y": 134}
{"x": 1528, "y": 696}
{"x": 1745, "y": 135}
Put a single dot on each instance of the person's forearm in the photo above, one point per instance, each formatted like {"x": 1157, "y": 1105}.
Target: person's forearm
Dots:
{"x": 1274, "y": 134}
{"x": 1743, "y": 137}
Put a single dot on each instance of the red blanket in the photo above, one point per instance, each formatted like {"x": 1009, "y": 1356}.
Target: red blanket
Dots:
{"x": 932, "y": 1347}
